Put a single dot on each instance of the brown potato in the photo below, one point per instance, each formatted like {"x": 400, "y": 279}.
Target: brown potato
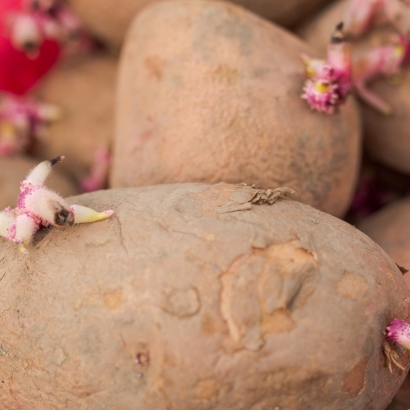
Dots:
{"x": 192, "y": 298}
{"x": 215, "y": 96}
{"x": 84, "y": 89}
{"x": 390, "y": 229}
{"x": 14, "y": 169}
{"x": 386, "y": 138}
{"x": 109, "y": 19}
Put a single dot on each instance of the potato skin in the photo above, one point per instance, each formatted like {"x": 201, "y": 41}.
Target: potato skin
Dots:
{"x": 386, "y": 138}
{"x": 174, "y": 303}
{"x": 14, "y": 169}
{"x": 214, "y": 96}
{"x": 110, "y": 19}
{"x": 84, "y": 89}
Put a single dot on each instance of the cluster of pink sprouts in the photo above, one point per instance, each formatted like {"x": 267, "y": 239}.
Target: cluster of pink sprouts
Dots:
{"x": 328, "y": 82}
{"x": 40, "y": 20}
{"x": 39, "y": 207}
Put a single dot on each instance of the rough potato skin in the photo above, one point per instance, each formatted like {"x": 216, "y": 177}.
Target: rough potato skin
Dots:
{"x": 14, "y": 169}
{"x": 84, "y": 89}
{"x": 214, "y": 96}
{"x": 110, "y": 19}
{"x": 176, "y": 303}
{"x": 386, "y": 138}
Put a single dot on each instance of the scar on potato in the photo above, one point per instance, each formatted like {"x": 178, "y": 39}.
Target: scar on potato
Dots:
{"x": 354, "y": 381}
{"x": 352, "y": 286}
{"x": 260, "y": 290}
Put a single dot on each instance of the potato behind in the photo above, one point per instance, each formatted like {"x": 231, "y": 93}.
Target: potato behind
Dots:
{"x": 109, "y": 19}
{"x": 14, "y": 169}
{"x": 214, "y": 96}
{"x": 387, "y": 139}
{"x": 84, "y": 90}
{"x": 180, "y": 302}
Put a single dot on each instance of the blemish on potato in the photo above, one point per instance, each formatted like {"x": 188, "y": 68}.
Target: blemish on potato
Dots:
{"x": 225, "y": 75}
{"x": 155, "y": 66}
{"x": 280, "y": 321}
{"x": 207, "y": 389}
{"x": 113, "y": 299}
{"x": 208, "y": 325}
{"x": 354, "y": 381}
{"x": 182, "y": 302}
{"x": 352, "y": 286}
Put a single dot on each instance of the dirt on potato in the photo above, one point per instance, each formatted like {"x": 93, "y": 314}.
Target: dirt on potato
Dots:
{"x": 173, "y": 304}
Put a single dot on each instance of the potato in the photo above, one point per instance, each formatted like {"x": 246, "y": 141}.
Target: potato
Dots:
{"x": 214, "y": 96}
{"x": 14, "y": 169}
{"x": 378, "y": 129}
{"x": 109, "y": 19}
{"x": 84, "y": 89}
{"x": 192, "y": 298}
{"x": 389, "y": 228}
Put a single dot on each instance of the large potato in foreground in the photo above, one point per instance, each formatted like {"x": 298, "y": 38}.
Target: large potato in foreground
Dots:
{"x": 14, "y": 169}
{"x": 109, "y": 19}
{"x": 191, "y": 298}
{"x": 214, "y": 95}
{"x": 84, "y": 89}
{"x": 386, "y": 138}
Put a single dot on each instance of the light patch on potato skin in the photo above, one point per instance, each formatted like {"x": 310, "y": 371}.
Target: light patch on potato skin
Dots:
{"x": 113, "y": 299}
{"x": 352, "y": 286}
{"x": 207, "y": 389}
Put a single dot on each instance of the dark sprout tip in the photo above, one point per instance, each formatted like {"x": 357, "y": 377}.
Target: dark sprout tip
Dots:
{"x": 55, "y": 160}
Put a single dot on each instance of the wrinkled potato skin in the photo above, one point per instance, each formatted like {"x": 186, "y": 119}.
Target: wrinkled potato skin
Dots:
{"x": 14, "y": 169}
{"x": 386, "y": 137}
{"x": 84, "y": 89}
{"x": 214, "y": 96}
{"x": 110, "y": 19}
{"x": 278, "y": 305}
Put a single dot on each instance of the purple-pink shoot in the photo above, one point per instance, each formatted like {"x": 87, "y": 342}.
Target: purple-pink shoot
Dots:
{"x": 380, "y": 61}
{"x": 39, "y": 207}
{"x": 360, "y": 15}
{"x": 329, "y": 82}
{"x": 399, "y": 332}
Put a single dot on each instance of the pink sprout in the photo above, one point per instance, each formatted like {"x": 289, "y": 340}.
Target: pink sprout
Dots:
{"x": 399, "y": 332}
{"x": 21, "y": 120}
{"x": 329, "y": 82}
{"x": 41, "y": 20}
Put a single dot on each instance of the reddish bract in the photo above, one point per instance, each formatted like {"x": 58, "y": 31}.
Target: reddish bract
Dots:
{"x": 18, "y": 72}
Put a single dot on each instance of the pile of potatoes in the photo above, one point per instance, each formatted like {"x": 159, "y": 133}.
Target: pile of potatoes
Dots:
{"x": 211, "y": 287}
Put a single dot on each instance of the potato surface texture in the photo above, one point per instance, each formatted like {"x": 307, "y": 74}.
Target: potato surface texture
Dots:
{"x": 214, "y": 96}
{"x": 109, "y": 19}
{"x": 84, "y": 90}
{"x": 386, "y": 138}
{"x": 13, "y": 170}
{"x": 180, "y": 302}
